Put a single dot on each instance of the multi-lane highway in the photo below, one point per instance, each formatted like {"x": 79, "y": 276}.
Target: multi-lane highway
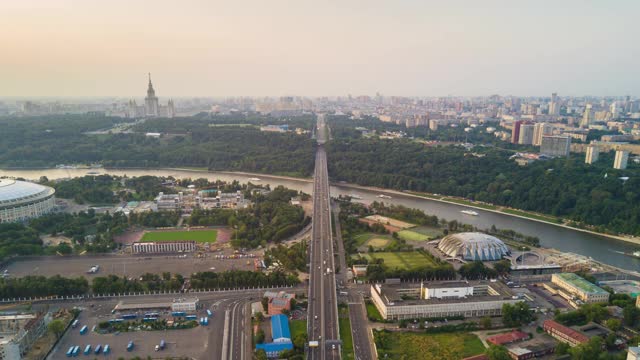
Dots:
{"x": 322, "y": 323}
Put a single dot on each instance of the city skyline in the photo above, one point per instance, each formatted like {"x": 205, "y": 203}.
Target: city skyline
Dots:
{"x": 66, "y": 49}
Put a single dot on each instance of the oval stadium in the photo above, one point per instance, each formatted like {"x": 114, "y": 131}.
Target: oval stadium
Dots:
{"x": 21, "y": 200}
{"x": 473, "y": 246}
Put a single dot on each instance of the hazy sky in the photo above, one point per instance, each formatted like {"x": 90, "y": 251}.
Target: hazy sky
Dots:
{"x": 320, "y": 47}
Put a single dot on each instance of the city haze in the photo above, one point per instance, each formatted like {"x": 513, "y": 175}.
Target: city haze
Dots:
{"x": 255, "y": 48}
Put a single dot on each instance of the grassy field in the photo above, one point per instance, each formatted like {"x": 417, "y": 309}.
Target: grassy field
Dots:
{"x": 298, "y": 327}
{"x": 431, "y": 232}
{"x": 378, "y": 241}
{"x": 401, "y": 345}
{"x": 401, "y": 260}
{"x": 345, "y": 333}
{"x": 203, "y": 236}
{"x": 410, "y": 235}
{"x": 372, "y": 312}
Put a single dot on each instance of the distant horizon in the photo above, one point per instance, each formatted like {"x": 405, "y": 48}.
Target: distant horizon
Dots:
{"x": 411, "y": 48}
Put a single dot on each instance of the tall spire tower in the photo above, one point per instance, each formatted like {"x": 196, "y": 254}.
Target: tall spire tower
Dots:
{"x": 152, "y": 108}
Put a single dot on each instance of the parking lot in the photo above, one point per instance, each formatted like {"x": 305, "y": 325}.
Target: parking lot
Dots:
{"x": 196, "y": 343}
{"x": 131, "y": 266}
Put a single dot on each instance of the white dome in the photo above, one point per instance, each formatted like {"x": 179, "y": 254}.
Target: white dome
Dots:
{"x": 21, "y": 200}
{"x": 473, "y": 246}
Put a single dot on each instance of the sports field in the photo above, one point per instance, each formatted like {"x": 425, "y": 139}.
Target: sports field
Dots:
{"x": 202, "y": 236}
{"x": 377, "y": 241}
{"x": 401, "y": 260}
{"x": 409, "y": 235}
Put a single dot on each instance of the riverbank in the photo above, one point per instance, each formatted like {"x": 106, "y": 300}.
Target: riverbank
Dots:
{"x": 436, "y": 198}
{"x": 488, "y": 207}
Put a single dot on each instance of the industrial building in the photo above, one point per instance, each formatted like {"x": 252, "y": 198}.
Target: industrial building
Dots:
{"x": 580, "y": 288}
{"x": 539, "y": 272}
{"x": 473, "y": 246}
{"x": 21, "y": 200}
{"x": 281, "y": 336}
{"x": 563, "y": 333}
{"x": 19, "y": 332}
{"x": 163, "y": 247}
{"x": 440, "y": 299}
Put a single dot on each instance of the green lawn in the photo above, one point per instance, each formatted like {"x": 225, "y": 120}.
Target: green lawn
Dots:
{"x": 431, "y": 232}
{"x": 410, "y": 235}
{"x": 405, "y": 345}
{"x": 372, "y": 312}
{"x": 377, "y": 241}
{"x": 345, "y": 336}
{"x": 298, "y": 327}
{"x": 401, "y": 260}
{"x": 202, "y": 236}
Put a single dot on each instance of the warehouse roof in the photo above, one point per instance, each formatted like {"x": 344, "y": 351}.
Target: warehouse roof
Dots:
{"x": 280, "y": 328}
{"x": 581, "y": 283}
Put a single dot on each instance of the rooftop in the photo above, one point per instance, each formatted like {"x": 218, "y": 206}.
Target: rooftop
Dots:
{"x": 581, "y": 283}
{"x": 396, "y": 294}
{"x": 280, "y": 327}
{"x": 14, "y": 191}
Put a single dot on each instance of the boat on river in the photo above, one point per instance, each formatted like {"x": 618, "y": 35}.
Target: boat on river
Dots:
{"x": 469, "y": 212}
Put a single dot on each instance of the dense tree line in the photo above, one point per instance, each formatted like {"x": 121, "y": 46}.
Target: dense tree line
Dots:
{"x": 50, "y": 140}
{"x": 565, "y": 188}
{"x": 239, "y": 278}
{"x": 38, "y": 286}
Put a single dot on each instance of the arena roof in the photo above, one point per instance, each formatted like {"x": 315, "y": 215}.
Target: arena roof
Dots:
{"x": 15, "y": 192}
{"x": 473, "y": 246}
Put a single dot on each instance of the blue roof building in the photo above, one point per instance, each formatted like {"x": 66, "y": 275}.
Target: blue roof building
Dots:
{"x": 280, "y": 329}
{"x": 281, "y": 335}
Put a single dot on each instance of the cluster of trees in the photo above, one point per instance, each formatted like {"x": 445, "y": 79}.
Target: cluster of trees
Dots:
{"x": 50, "y": 140}
{"x": 292, "y": 258}
{"x": 87, "y": 189}
{"x": 517, "y": 314}
{"x": 586, "y": 313}
{"x": 271, "y": 218}
{"x": 38, "y": 286}
{"x": 544, "y": 186}
{"x": 18, "y": 239}
{"x": 114, "y": 284}
{"x": 477, "y": 270}
{"x": 238, "y": 278}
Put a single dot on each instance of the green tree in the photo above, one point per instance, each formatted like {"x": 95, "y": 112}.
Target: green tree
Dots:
{"x": 485, "y": 322}
{"x": 56, "y": 327}
{"x": 261, "y": 355}
{"x": 614, "y": 324}
{"x": 498, "y": 353}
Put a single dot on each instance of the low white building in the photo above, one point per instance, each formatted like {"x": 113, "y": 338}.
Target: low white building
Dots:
{"x": 440, "y": 299}
{"x": 190, "y": 304}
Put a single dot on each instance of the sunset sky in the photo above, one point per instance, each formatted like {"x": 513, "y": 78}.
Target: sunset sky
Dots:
{"x": 262, "y": 47}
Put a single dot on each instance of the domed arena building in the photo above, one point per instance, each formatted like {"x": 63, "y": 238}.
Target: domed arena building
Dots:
{"x": 473, "y": 246}
{"x": 21, "y": 200}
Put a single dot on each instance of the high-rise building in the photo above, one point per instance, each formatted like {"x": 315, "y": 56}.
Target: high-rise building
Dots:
{"x": 620, "y": 162}
{"x": 526, "y": 134}
{"x": 515, "y": 132}
{"x": 540, "y": 130}
{"x": 554, "y": 106}
{"x": 593, "y": 153}
{"x": 614, "y": 109}
{"x": 152, "y": 108}
{"x": 433, "y": 124}
{"x": 587, "y": 117}
{"x": 555, "y": 145}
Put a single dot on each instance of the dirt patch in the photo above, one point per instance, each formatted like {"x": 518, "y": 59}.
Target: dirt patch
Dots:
{"x": 389, "y": 221}
{"x": 390, "y": 228}
{"x": 129, "y": 237}
{"x": 55, "y": 240}
{"x": 378, "y": 242}
{"x": 224, "y": 235}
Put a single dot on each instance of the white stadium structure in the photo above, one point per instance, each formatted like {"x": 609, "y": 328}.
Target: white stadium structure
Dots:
{"x": 21, "y": 200}
{"x": 473, "y": 246}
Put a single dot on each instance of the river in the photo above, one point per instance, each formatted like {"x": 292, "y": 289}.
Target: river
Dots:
{"x": 603, "y": 249}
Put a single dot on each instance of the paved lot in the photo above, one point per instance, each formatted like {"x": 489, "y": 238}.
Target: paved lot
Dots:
{"x": 133, "y": 266}
{"x": 202, "y": 342}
